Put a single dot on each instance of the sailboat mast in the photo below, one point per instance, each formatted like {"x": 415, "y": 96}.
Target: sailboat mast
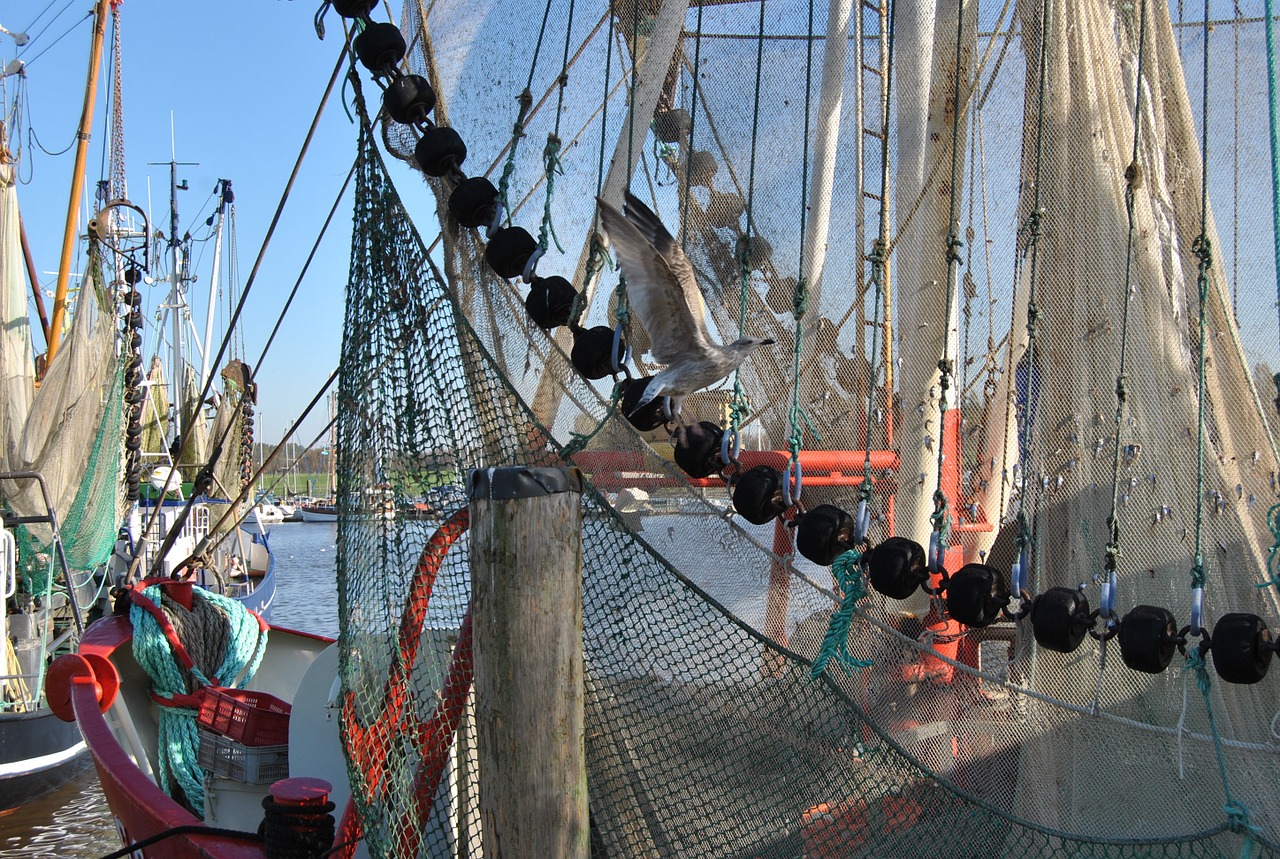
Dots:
{"x": 224, "y": 187}
{"x": 175, "y": 300}
{"x": 77, "y": 179}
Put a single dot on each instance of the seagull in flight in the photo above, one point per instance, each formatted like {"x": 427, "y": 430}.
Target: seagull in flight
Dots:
{"x": 665, "y": 296}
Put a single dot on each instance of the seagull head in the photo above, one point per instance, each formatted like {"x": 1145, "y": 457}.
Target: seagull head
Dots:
{"x": 742, "y": 347}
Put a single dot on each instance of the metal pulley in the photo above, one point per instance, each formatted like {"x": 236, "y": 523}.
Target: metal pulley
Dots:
{"x": 896, "y": 567}
{"x": 1148, "y": 637}
{"x": 697, "y": 448}
{"x": 440, "y": 150}
{"x": 592, "y": 353}
{"x": 976, "y": 595}
{"x": 1060, "y": 619}
{"x": 474, "y": 202}
{"x": 409, "y": 99}
{"x": 1242, "y": 647}
{"x": 757, "y": 495}
{"x": 380, "y": 47}
{"x": 824, "y": 534}
{"x": 509, "y": 251}
{"x": 550, "y": 301}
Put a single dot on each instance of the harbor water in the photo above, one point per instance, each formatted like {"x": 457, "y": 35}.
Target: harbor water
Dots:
{"x": 74, "y": 821}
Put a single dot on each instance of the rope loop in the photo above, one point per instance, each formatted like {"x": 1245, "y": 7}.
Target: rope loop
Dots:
{"x": 800, "y": 301}
{"x": 850, "y": 581}
{"x": 954, "y": 244}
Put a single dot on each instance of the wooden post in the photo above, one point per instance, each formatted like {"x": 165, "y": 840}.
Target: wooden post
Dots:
{"x": 526, "y": 589}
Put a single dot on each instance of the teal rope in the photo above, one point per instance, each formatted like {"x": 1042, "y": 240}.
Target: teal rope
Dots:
{"x": 744, "y": 254}
{"x": 1203, "y": 250}
{"x": 178, "y": 736}
{"x": 1273, "y": 554}
{"x": 800, "y": 297}
{"x": 1274, "y": 132}
{"x": 551, "y": 152}
{"x": 517, "y": 130}
{"x": 1132, "y": 176}
{"x": 551, "y": 163}
{"x": 1237, "y": 812}
{"x": 847, "y": 570}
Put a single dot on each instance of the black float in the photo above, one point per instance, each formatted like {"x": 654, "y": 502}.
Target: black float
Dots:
{"x": 976, "y": 595}
{"x": 697, "y": 448}
{"x": 550, "y": 301}
{"x": 440, "y": 150}
{"x": 380, "y": 47}
{"x": 1148, "y": 637}
{"x": 824, "y": 534}
{"x": 757, "y": 496}
{"x": 508, "y": 253}
{"x": 896, "y": 567}
{"x": 1242, "y": 647}
{"x": 592, "y": 354}
{"x": 474, "y": 202}
{"x": 650, "y": 417}
{"x": 1060, "y": 619}
{"x": 409, "y": 99}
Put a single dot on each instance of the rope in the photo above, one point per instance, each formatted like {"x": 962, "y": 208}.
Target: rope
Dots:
{"x": 1133, "y": 178}
{"x": 551, "y": 152}
{"x": 940, "y": 518}
{"x": 222, "y": 639}
{"x": 847, "y": 570}
{"x": 525, "y": 100}
{"x": 1273, "y": 129}
{"x": 738, "y": 408}
{"x": 800, "y": 295}
{"x": 1237, "y": 812}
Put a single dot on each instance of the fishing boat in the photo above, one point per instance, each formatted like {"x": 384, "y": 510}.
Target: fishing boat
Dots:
{"x": 998, "y": 577}
{"x": 78, "y": 516}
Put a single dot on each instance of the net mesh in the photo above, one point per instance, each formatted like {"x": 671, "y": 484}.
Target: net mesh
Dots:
{"x": 705, "y": 734}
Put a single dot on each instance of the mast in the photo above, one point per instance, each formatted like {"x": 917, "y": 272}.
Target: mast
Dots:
{"x": 224, "y": 186}
{"x": 77, "y": 178}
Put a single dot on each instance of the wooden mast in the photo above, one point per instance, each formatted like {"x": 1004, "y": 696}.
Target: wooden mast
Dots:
{"x": 77, "y": 178}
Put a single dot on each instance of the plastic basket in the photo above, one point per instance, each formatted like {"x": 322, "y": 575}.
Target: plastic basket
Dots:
{"x": 251, "y": 718}
{"x": 223, "y": 756}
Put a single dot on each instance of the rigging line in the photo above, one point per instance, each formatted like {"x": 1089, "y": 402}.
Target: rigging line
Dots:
{"x": 1200, "y": 246}
{"x": 31, "y": 41}
{"x": 231, "y": 324}
{"x": 953, "y": 244}
{"x": 46, "y": 8}
{"x": 1133, "y": 176}
{"x": 879, "y": 253}
{"x": 551, "y": 152}
{"x": 1032, "y": 225}
{"x": 203, "y": 546}
{"x": 1273, "y": 134}
{"x": 306, "y": 265}
{"x": 65, "y": 33}
{"x": 799, "y": 296}
{"x": 694, "y": 89}
{"x": 525, "y": 101}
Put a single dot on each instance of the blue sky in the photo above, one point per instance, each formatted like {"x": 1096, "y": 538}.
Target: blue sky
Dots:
{"x": 240, "y": 81}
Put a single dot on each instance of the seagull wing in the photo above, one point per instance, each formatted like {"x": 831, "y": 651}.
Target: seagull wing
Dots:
{"x": 659, "y": 282}
{"x": 664, "y": 243}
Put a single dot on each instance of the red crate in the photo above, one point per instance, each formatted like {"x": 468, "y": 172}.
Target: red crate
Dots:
{"x": 250, "y": 718}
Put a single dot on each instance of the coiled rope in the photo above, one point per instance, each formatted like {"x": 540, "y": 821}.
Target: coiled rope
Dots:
{"x": 217, "y": 643}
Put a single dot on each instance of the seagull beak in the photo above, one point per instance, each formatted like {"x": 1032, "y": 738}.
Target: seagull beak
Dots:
{"x": 768, "y": 341}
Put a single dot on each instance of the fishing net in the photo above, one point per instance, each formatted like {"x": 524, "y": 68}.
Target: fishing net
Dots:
{"x": 988, "y": 230}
